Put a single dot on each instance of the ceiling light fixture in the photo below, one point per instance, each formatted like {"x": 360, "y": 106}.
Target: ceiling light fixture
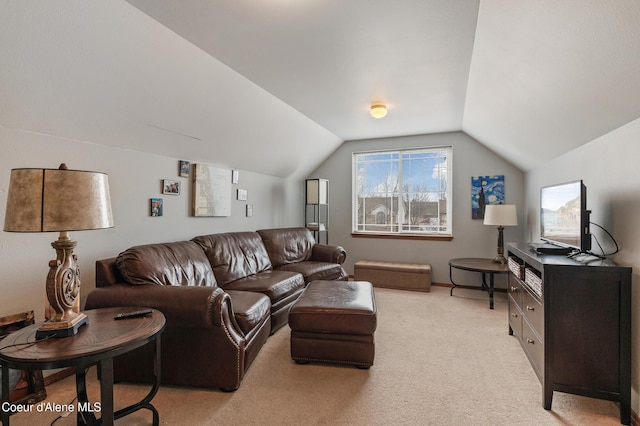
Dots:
{"x": 378, "y": 110}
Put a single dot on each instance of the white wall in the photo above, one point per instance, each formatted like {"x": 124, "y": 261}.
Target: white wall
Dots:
{"x": 609, "y": 168}
{"x": 134, "y": 178}
{"x": 104, "y": 71}
{"x": 470, "y": 237}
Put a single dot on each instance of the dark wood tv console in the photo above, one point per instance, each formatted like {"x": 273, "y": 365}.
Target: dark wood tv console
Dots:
{"x": 573, "y": 320}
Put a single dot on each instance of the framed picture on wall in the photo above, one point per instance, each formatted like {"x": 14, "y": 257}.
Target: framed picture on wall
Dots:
{"x": 171, "y": 187}
{"x": 184, "y": 167}
{"x": 156, "y": 207}
{"x": 211, "y": 191}
{"x": 242, "y": 195}
{"x": 485, "y": 190}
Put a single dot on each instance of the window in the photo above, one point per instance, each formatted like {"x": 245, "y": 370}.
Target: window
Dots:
{"x": 402, "y": 192}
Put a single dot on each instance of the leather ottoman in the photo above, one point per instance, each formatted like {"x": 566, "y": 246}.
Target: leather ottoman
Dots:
{"x": 334, "y": 322}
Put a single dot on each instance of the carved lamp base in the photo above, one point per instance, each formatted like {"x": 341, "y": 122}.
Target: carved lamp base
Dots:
{"x": 63, "y": 292}
{"x": 52, "y": 329}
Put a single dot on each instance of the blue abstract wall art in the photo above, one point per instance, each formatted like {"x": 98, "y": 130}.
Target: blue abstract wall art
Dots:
{"x": 485, "y": 190}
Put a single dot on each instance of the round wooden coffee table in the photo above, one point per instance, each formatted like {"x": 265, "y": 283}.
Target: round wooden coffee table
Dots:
{"x": 477, "y": 264}
{"x": 98, "y": 342}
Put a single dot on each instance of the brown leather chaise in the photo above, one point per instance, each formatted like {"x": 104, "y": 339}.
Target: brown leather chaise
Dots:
{"x": 276, "y": 262}
{"x": 295, "y": 250}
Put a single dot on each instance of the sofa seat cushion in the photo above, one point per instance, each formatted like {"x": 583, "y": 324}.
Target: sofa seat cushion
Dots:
{"x": 250, "y": 309}
{"x": 181, "y": 263}
{"x": 234, "y": 255}
{"x": 312, "y": 270}
{"x": 277, "y": 285}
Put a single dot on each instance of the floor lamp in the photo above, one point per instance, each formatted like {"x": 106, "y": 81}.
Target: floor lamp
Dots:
{"x": 500, "y": 215}
{"x": 59, "y": 200}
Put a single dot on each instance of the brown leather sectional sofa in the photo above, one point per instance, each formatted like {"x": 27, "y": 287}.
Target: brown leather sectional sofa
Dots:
{"x": 222, "y": 296}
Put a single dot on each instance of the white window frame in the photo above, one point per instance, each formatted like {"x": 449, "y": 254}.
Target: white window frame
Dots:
{"x": 400, "y": 230}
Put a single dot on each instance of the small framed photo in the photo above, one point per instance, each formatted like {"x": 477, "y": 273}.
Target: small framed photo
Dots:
{"x": 156, "y": 207}
{"x": 171, "y": 187}
{"x": 249, "y": 210}
{"x": 184, "y": 167}
{"x": 242, "y": 194}
{"x": 235, "y": 176}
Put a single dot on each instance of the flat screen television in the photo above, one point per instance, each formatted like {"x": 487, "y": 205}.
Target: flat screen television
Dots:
{"x": 564, "y": 218}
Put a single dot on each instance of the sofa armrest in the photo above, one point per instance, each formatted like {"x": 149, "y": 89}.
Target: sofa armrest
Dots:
{"x": 107, "y": 273}
{"x": 325, "y": 253}
{"x": 197, "y": 307}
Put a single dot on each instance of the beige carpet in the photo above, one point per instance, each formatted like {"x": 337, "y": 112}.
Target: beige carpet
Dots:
{"x": 440, "y": 360}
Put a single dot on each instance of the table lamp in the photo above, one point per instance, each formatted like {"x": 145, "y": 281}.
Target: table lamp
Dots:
{"x": 59, "y": 200}
{"x": 500, "y": 215}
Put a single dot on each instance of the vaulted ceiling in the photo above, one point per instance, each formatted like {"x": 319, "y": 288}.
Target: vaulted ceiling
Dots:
{"x": 274, "y": 86}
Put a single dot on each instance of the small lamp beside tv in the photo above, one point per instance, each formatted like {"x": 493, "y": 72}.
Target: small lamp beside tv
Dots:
{"x": 59, "y": 200}
{"x": 500, "y": 215}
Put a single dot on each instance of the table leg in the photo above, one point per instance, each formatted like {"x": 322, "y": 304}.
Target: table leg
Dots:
{"x": 106, "y": 391}
{"x": 86, "y": 410}
{"x": 491, "y": 290}
{"x": 81, "y": 392}
{"x": 484, "y": 282}
{"x": 5, "y": 394}
{"x": 146, "y": 402}
{"x": 473, "y": 287}
{"x": 453, "y": 284}
{"x": 488, "y": 287}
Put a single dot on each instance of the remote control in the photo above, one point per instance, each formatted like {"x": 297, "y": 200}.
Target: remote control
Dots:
{"x": 133, "y": 314}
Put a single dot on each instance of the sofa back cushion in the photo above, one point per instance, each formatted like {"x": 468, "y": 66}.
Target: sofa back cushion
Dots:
{"x": 181, "y": 263}
{"x": 234, "y": 255}
{"x": 287, "y": 245}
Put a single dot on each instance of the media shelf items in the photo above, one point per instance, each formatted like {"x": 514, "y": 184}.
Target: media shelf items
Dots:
{"x": 573, "y": 320}
{"x": 316, "y": 210}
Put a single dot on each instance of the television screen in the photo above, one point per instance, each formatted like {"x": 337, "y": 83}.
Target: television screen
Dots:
{"x": 564, "y": 218}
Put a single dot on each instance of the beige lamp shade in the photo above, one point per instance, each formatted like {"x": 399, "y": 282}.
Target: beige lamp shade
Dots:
{"x": 317, "y": 191}
{"x": 501, "y": 215}
{"x": 56, "y": 200}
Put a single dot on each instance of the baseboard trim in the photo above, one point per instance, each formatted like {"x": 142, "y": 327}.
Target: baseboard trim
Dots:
{"x": 436, "y": 284}
{"x": 58, "y": 375}
{"x": 449, "y": 285}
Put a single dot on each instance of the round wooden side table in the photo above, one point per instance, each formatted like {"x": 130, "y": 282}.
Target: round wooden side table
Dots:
{"x": 98, "y": 342}
{"x": 478, "y": 264}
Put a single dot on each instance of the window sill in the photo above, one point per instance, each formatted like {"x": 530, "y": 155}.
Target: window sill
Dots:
{"x": 407, "y": 236}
